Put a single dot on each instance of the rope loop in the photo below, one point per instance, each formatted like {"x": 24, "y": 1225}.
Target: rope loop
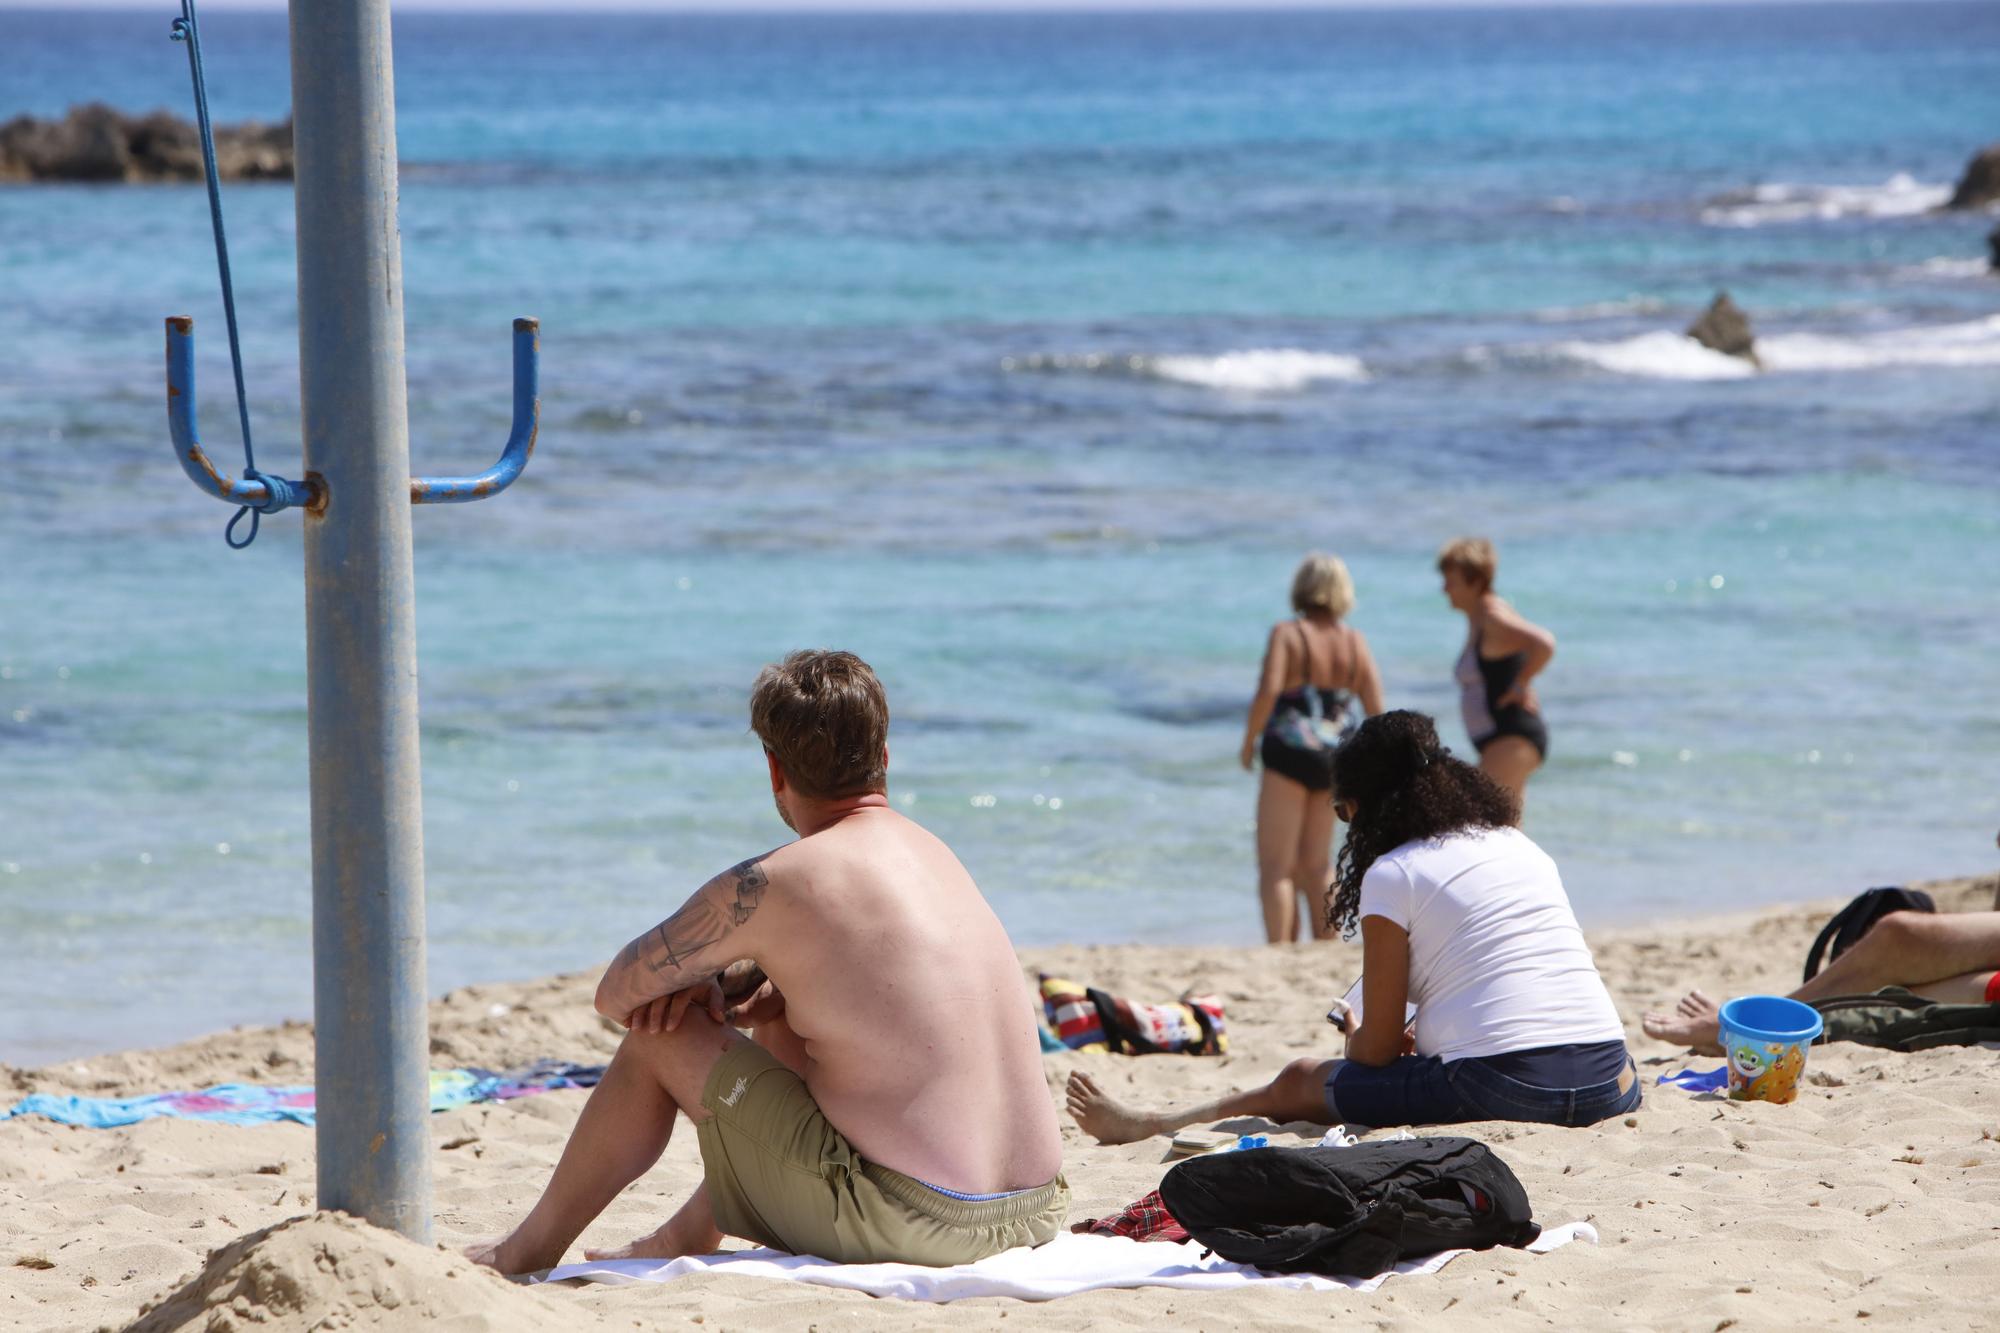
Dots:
{"x": 229, "y": 533}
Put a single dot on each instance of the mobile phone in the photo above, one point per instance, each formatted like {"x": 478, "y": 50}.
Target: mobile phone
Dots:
{"x": 1346, "y": 1008}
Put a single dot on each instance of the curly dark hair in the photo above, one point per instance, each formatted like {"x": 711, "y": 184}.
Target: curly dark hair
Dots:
{"x": 1406, "y": 787}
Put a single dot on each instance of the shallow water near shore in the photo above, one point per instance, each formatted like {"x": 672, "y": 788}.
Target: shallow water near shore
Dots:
{"x": 1024, "y": 356}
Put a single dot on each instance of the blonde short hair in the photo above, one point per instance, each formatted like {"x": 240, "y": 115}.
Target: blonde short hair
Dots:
{"x": 1322, "y": 584}
{"x": 1474, "y": 557}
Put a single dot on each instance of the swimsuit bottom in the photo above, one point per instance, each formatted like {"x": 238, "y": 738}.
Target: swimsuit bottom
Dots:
{"x": 1514, "y": 720}
{"x": 1311, "y": 769}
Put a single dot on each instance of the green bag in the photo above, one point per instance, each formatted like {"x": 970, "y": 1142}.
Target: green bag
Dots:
{"x": 1900, "y": 1020}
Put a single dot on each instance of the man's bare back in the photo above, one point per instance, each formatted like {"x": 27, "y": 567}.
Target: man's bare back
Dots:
{"x": 917, "y": 1023}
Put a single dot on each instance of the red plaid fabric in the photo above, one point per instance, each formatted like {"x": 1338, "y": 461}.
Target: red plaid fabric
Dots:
{"x": 1142, "y": 1219}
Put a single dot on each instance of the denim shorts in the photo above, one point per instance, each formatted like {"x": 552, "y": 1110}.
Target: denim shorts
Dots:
{"x": 1424, "y": 1090}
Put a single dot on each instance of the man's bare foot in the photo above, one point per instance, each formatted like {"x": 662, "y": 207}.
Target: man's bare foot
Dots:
{"x": 508, "y": 1255}
{"x": 1696, "y": 1022}
{"x": 1104, "y": 1119}
{"x": 671, "y": 1241}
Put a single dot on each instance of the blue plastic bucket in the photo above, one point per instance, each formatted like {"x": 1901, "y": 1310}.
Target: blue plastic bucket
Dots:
{"x": 1765, "y": 1038}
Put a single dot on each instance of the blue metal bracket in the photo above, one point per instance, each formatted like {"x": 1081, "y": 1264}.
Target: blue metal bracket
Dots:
{"x": 267, "y": 494}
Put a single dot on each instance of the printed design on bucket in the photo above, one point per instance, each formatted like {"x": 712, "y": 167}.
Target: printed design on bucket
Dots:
{"x": 1765, "y": 1072}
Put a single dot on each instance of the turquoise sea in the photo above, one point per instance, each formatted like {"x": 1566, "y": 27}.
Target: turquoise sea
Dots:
{"x": 1024, "y": 355}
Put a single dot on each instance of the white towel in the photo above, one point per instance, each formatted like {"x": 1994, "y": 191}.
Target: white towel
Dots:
{"x": 1066, "y": 1265}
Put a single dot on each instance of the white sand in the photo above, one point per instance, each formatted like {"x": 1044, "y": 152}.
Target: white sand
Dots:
{"x": 1875, "y": 1197}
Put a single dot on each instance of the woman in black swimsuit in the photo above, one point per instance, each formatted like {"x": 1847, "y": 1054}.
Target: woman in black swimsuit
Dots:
{"x": 1503, "y": 653}
{"x": 1316, "y": 668}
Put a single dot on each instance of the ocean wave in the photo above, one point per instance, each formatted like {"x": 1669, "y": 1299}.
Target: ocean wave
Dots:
{"x": 1253, "y": 370}
{"x": 1661, "y": 355}
{"x": 1947, "y": 266}
{"x": 1902, "y": 195}
{"x": 1664, "y": 354}
{"x": 1631, "y": 305}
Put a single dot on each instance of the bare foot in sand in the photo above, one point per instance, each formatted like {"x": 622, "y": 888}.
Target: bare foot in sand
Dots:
{"x": 671, "y": 1241}
{"x": 1106, "y": 1120}
{"x": 508, "y": 1255}
{"x": 1695, "y": 1022}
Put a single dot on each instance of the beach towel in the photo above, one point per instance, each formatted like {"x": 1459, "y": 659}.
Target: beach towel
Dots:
{"x": 1088, "y": 1019}
{"x": 256, "y": 1104}
{"x": 1067, "y": 1265}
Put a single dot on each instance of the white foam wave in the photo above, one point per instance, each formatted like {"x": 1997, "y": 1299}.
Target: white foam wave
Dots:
{"x": 1900, "y": 196}
{"x": 1253, "y": 370}
{"x": 1953, "y": 266}
{"x": 1660, "y": 355}
{"x": 1631, "y": 305}
{"x": 1973, "y": 343}
{"x": 1664, "y": 354}
{"x": 1261, "y": 370}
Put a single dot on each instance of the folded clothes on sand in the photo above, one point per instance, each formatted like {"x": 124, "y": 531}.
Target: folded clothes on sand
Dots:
{"x": 1088, "y": 1019}
{"x": 1067, "y": 1265}
{"x": 255, "y": 1104}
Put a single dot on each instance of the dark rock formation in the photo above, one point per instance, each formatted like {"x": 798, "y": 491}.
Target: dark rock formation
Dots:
{"x": 1980, "y": 185}
{"x": 98, "y": 143}
{"x": 1723, "y": 327}
{"x": 1993, "y": 244}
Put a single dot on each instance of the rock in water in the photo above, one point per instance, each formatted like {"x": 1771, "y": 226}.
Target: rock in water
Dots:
{"x": 1993, "y": 244}
{"x": 1980, "y": 185}
{"x": 1723, "y": 327}
{"x": 99, "y": 143}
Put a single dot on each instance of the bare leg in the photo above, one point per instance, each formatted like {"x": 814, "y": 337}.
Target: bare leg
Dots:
{"x": 1510, "y": 761}
{"x": 622, "y": 1132}
{"x": 1297, "y": 1093}
{"x": 692, "y": 1229}
{"x": 1281, "y": 809}
{"x": 1310, "y": 873}
{"x": 1936, "y": 956}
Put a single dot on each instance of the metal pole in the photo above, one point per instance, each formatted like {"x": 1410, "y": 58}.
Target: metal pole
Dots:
{"x": 372, "y": 1039}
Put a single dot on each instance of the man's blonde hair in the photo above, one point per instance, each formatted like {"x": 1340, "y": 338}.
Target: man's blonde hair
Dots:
{"x": 1322, "y": 584}
{"x": 1474, "y": 557}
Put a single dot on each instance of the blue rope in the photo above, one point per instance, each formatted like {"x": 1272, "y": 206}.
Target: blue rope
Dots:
{"x": 185, "y": 30}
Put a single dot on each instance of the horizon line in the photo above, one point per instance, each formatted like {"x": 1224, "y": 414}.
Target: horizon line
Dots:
{"x": 867, "y": 8}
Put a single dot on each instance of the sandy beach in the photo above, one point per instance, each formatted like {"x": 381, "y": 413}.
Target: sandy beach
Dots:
{"x": 1874, "y": 1196}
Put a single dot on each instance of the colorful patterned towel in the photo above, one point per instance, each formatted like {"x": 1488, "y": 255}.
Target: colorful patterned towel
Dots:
{"x": 251, "y": 1104}
{"x": 1088, "y": 1019}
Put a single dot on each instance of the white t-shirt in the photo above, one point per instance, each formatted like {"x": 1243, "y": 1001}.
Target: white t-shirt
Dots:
{"x": 1497, "y": 960}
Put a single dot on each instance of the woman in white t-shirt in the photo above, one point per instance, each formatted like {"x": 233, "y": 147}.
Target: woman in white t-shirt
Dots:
{"x": 1463, "y": 916}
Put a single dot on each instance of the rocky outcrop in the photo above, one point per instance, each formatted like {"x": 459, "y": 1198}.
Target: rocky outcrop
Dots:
{"x": 1993, "y": 244}
{"x": 1980, "y": 185}
{"x": 1723, "y": 327}
{"x": 99, "y": 143}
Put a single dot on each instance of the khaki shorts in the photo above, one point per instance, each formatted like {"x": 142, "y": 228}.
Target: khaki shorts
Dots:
{"x": 780, "y": 1175}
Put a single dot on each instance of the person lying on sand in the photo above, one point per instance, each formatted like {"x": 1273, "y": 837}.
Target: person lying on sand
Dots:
{"x": 890, "y": 1103}
{"x": 1463, "y": 915}
{"x": 1952, "y": 958}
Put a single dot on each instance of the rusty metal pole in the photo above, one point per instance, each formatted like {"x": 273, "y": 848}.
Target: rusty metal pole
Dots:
{"x": 372, "y": 1043}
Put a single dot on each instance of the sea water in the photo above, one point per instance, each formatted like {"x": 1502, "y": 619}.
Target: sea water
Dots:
{"x": 1024, "y": 355}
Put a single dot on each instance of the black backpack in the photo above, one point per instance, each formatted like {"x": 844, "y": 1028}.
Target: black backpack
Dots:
{"x": 1851, "y": 922}
{"x": 1898, "y": 1020}
{"x": 1349, "y": 1212}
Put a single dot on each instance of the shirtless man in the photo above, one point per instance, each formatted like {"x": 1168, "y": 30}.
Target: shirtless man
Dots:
{"x": 890, "y": 1104}
{"x": 1949, "y": 957}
